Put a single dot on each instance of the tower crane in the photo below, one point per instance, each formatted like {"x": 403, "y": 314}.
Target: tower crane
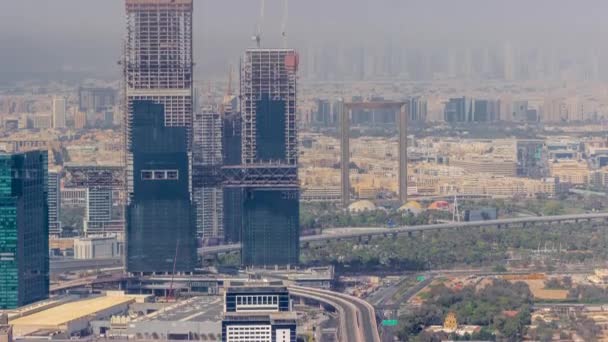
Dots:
{"x": 257, "y": 37}
{"x": 284, "y": 24}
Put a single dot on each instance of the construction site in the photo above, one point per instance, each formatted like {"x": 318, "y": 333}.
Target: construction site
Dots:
{"x": 158, "y": 64}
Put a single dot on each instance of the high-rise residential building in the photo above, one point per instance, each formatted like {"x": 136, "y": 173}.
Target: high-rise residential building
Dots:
{"x": 323, "y": 115}
{"x": 258, "y": 312}
{"x": 158, "y": 64}
{"x": 24, "y": 242}
{"x": 464, "y": 109}
{"x": 91, "y": 99}
{"x": 161, "y": 219}
{"x": 98, "y": 210}
{"x": 206, "y": 164}
{"x": 417, "y": 109}
{"x": 54, "y": 202}
{"x": 457, "y": 110}
{"x": 509, "y": 62}
{"x": 519, "y": 111}
{"x": 80, "y": 120}
{"x": 270, "y": 231}
{"x": 59, "y": 112}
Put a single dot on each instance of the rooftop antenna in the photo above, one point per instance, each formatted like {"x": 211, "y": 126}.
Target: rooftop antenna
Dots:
{"x": 258, "y": 32}
{"x": 284, "y": 24}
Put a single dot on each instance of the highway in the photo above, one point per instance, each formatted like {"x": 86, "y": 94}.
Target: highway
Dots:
{"x": 357, "y": 317}
{"x": 61, "y": 265}
{"x": 426, "y": 227}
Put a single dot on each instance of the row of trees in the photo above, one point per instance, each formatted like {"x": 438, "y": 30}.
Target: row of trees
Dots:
{"x": 573, "y": 243}
{"x": 319, "y": 219}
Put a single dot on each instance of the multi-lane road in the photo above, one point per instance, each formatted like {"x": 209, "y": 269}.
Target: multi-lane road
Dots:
{"x": 61, "y": 265}
{"x": 357, "y": 317}
{"x": 426, "y": 227}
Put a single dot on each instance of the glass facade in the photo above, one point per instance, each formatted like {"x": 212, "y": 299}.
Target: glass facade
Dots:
{"x": 161, "y": 219}
{"x": 270, "y": 227}
{"x": 269, "y": 130}
{"x": 24, "y": 244}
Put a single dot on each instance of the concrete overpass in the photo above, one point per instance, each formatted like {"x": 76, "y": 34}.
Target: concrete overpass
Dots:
{"x": 386, "y": 232}
{"x": 357, "y": 317}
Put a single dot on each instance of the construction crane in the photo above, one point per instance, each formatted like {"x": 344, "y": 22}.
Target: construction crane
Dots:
{"x": 257, "y": 37}
{"x": 173, "y": 274}
{"x": 284, "y": 24}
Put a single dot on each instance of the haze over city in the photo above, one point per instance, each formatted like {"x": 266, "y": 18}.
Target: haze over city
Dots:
{"x": 86, "y": 35}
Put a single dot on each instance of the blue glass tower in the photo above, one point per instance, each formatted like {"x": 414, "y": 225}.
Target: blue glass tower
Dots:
{"x": 24, "y": 229}
{"x": 161, "y": 220}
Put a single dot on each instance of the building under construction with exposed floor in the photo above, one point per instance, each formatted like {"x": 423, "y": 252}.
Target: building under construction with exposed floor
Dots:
{"x": 158, "y": 63}
{"x": 268, "y": 174}
{"x": 207, "y": 160}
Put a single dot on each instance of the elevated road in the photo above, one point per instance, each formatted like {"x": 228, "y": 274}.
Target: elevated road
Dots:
{"x": 357, "y": 317}
{"x": 427, "y": 227}
{"x": 61, "y": 265}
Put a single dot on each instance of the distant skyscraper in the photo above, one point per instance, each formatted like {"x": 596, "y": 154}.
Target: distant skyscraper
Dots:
{"x": 206, "y": 162}
{"x": 270, "y": 233}
{"x": 417, "y": 109}
{"x": 24, "y": 242}
{"x": 80, "y": 120}
{"x": 54, "y": 203}
{"x": 520, "y": 111}
{"x": 59, "y": 112}
{"x": 509, "y": 62}
{"x": 457, "y": 110}
{"x": 323, "y": 116}
{"x": 161, "y": 219}
{"x": 158, "y": 63}
{"x": 96, "y": 99}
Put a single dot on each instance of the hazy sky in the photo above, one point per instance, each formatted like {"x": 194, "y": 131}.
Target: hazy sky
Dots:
{"x": 45, "y": 35}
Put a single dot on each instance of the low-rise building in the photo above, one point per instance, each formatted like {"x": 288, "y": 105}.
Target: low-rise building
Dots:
{"x": 97, "y": 248}
{"x": 258, "y": 311}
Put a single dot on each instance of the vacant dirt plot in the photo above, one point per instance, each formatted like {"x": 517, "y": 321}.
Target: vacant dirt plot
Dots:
{"x": 537, "y": 287}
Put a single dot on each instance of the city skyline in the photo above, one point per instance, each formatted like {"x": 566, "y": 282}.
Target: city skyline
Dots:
{"x": 413, "y": 24}
{"x": 357, "y": 171}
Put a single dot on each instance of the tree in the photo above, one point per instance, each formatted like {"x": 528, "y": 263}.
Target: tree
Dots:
{"x": 553, "y": 208}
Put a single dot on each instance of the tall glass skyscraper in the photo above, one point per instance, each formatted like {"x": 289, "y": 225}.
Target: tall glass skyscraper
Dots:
{"x": 270, "y": 227}
{"x": 24, "y": 230}
{"x": 161, "y": 219}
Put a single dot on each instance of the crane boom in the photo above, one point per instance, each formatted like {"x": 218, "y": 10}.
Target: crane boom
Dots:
{"x": 284, "y": 24}
{"x": 258, "y": 34}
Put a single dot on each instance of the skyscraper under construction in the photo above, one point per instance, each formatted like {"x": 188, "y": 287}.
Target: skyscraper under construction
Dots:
{"x": 158, "y": 92}
{"x": 158, "y": 63}
{"x": 270, "y": 228}
{"x": 207, "y": 160}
